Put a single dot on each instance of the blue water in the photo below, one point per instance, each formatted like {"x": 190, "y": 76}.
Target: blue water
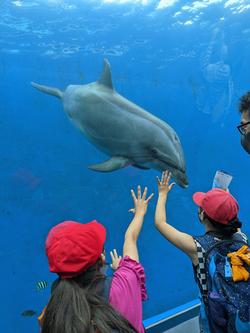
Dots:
{"x": 187, "y": 63}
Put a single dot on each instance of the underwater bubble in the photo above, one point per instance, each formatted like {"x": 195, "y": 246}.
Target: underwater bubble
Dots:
{"x": 21, "y": 26}
{"x": 11, "y": 51}
{"x": 165, "y": 4}
{"x": 246, "y": 31}
{"x": 71, "y": 49}
{"x": 42, "y": 32}
{"x": 69, "y": 27}
{"x": 141, "y": 41}
{"x": 96, "y": 50}
{"x": 177, "y": 14}
{"x": 113, "y": 52}
{"x": 69, "y": 7}
{"x": 14, "y": 51}
{"x": 189, "y": 22}
{"x": 41, "y": 44}
{"x": 57, "y": 46}
{"x": 20, "y": 3}
{"x": 49, "y": 53}
{"x": 17, "y": 3}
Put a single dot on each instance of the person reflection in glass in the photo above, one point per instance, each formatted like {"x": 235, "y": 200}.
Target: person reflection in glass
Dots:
{"x": 244, "y": 126}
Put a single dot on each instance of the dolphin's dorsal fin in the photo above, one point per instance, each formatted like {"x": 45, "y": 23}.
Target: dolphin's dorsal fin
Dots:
{"x": 106, "y": 76}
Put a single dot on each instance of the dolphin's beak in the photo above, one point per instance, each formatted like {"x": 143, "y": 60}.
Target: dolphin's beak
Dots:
{"x": 183, "y": 185}
{"x": 183, "y": 182}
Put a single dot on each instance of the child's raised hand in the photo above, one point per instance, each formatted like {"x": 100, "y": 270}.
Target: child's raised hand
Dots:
{"x": 163, "y": 184}
{"x": 140, "y": 202}
{"x": 115, "y": 259}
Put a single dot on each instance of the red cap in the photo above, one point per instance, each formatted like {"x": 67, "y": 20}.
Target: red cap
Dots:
{"x": 218, "y": 204}
{"x": 73, "y": 247}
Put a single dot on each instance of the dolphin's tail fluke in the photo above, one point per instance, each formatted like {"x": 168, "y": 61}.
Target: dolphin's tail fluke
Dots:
{"x": 48, "y": 90}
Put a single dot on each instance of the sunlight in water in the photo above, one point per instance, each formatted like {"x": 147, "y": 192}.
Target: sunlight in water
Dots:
{"x": 236, "y": 6}
{"x": 142, "y": 2}
{"x": 166, "y": 3}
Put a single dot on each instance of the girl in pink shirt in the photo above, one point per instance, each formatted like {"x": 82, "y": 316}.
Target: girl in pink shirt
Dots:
{"x": 83, "y": 300}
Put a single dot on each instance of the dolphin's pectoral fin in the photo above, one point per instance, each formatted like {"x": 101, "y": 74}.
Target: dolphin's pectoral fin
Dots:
{"x": 48, "y": 90}
{"x": 113, "y": 164}
{"x": 106, "y": 76}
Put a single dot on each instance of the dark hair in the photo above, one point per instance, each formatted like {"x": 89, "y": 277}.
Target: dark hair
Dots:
{"x": 226, "y": 230}
{"x": 76, "y": 307}
{"x": 245, "y": 103}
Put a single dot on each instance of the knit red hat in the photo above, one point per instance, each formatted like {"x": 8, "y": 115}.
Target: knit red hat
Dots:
{"x": 218, "y": 204}
{"x": 73, "y": 247}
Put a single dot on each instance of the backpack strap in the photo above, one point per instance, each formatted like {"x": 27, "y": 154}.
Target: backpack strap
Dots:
{"x": 200, "y": 269}
{"x": 239, "y": 235}
{"x": 204, "y": 244}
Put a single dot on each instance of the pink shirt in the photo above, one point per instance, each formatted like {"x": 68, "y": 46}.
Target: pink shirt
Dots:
{"x": 128, "y": 290}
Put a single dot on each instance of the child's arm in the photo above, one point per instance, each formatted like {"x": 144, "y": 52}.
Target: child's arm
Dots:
{"x": 133, "y": 231}
{"x": 128, "y": 288}
{"x": 181, "y": 240}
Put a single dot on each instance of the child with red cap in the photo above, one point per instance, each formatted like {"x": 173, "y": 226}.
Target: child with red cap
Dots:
{"x": 218, "y": 212}
{"x": 83, "y": 300}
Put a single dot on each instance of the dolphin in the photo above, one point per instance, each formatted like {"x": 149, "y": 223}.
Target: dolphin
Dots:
{"x": 128, "y": 134}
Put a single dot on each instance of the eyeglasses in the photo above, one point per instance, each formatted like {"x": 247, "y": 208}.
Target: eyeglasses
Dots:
{"x": 243, "y": 128}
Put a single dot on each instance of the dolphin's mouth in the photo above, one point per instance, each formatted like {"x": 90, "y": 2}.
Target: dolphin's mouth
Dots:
{"x": 181, "y": 178}
{"x": 178, "y": 174}
{"x": 184, "y": 185}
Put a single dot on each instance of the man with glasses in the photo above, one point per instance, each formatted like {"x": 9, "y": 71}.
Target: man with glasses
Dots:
{"x": 244, "y": 126}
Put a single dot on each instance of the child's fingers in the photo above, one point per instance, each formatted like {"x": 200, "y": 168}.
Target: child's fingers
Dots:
{"x": 115, "y": 254}
{"x": 163, "y": 176}
{"x": 150, "y": 197}
{"x": 145, "y": 193}
{"x": 112, "y": 256}
{"x": 133, "y": 195}
{"x": 158, "y": 180}
{"x": 139, "y": 192}
{"x": 171, "y": 186}
{"x": 132, "y": 210}
{"x": 169, "y": 176}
